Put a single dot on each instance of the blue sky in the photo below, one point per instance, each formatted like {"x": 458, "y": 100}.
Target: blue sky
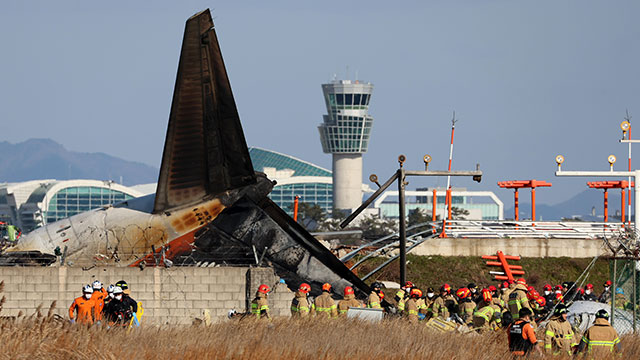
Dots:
{"x": 528, "y": 80}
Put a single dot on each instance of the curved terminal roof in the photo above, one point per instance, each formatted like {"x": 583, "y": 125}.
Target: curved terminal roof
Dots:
{"x": 263, "y": 158}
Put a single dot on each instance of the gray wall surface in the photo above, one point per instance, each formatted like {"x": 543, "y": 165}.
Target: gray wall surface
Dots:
{"x": 176, "y": 295}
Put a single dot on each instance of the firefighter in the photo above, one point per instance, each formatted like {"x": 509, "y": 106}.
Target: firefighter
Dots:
{"x": 518, "y": 298}
{"x": 621, "y": 300}
{"x": 495, "y": 297}
{"x": 601, "y": 339}
{"x": 324, "y": 305}
{"x": 476, "y": 296}
{"x": 412, "y": 305}
{"x": 84, "y": 306}
{"x": 260, "y": 305}
{"x": 349, "y": 301}
{"x": 487, "y": 318}
{"x": 486, "y": 300}
{"x": 429, "y": 298}
{"x": 439, "y": 308}
{"x": 98, "y": 296}
{"x": 505, "y": 289}
{"x": 300, "y": 304}
{"x": 588, "y": 293}
{"x": 558, "y": 335}
{"x": 403, "y": 295}
{"x": 605, "y": 297}
{"x": 374, "y": 298}
{"x": 522, "y": 338}
{"x": 109, "y": 296}
{"x": 467, "y": 306}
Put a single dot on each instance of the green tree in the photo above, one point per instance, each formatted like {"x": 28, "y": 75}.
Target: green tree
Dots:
{"x": 373, "y": 227}
{"x": 309, "y": 215}
{"x": 459, "y": 213}
{"x": 418, "y": 216}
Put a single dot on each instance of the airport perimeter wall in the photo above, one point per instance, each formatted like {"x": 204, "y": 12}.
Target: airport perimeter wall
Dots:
{"x": 175, "y": 295}
{"x": 526, "y": 247}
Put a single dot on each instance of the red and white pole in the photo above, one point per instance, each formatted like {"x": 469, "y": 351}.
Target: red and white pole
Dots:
{"x": 448, "y": 197}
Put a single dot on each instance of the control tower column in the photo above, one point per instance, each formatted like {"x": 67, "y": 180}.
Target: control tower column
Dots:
{"x": 347, "y": 181}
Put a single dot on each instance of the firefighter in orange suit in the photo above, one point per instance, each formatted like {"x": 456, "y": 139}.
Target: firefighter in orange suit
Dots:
{"x": 98, "y": 296}
{"x": 349, "y": 301}
{"x": 84, "y": 306}
{"x": 324, "y": 305}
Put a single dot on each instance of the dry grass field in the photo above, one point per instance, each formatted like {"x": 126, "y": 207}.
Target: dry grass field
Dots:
{"x": 45, "y": 338}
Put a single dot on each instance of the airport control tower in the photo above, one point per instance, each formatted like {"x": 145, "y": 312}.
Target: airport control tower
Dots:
{"x": 345, "y": 133}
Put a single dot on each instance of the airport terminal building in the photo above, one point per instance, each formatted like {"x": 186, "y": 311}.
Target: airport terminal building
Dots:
{"x": 32, "y": 204}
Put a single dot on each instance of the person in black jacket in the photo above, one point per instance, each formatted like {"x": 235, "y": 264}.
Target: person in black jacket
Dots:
{"x": 120, "y": 310}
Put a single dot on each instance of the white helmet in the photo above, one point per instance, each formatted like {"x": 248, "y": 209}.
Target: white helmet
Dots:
{"x": 97, "y": 285}
{"x": 87, "y": 289}
{"x": 231, "y": 313}
{"x": 110, "y": 288}
{"x": 117, "y": 290}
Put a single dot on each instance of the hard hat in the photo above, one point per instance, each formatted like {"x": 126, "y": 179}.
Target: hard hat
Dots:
{"x": 231, "y": 313}
{"x": 619, "y": 291}
{"x": 348, "y": 291}
{"x": 581, "y": 290}
{"x": 97, "y": 285}
{"x": 263, "y": 289}
{"x": 87, "y": 289}
{"x": 486, "y": 295}
{"x": 521, "y": 281}
{"x": 110, "y": 288}
{"x": 463, "y": 293}
{"x": 607, "y": 283}
{"x": 326, "y": 287}
{"x": 117, "y": 290}
{"x": 416, "y": 293}
{"x": 541, "y": 301}
{"x": 408, "y": 284}
{"x": 123, "y": 285}
{"x": 558, "y": 287}
{"x": 471, "y": 286}
{"x": 504, "y": 285}
{"x": 547, "y": 287}
{"x": 589, "y": 287}
{"x": 376, "y": 285}
{"x": 560, "y": 309}
{"x": 492, "y": 288}
{"x": 304, "y": 288}
{"x": 445, "y": 288}
{"x": 530, "y": 289}
{"x": 602, "y": 314}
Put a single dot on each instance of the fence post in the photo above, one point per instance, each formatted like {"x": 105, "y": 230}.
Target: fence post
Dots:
{"x": 613, "y": 292}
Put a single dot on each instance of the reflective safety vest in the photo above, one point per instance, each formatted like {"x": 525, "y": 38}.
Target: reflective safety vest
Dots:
{"x": 258, "y": 309}
{"x": 601, "y": 339}
{"x": 518, "y": 343}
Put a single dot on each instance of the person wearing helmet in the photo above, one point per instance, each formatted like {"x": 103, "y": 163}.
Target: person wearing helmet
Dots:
{"x": 98, "y": 296}
{"x": 348, "y": 301}
{"x": 558, "y": 335}
{"x": 259, "y": 304}
{"x": 412, "y": 305}
{"x": 522, "y": 338}
{"x": 506, "y": 289}
{"x": 300, "y": 304}
{"x": 588, "y": 293}
{"x": 605, "y": 297}
{"x": 84, "y": 306}
{"x": 439, "y": 308}
{"x": 621, "y": 299}
{"x": 374, "y": 299}
{"x": 119, "y": 311}
{"x": 487, "y": 317}
{"x": 428, "y": 299}
{"x": 518, "y": 299}
{"x": 466, "y": 305}
{"x": 324, "y": 305}
{"x": 476, "y": 296}
{"x": 486, "y": 299}
{"x": 403, "y": 295}
{"x": 601, "y": 340}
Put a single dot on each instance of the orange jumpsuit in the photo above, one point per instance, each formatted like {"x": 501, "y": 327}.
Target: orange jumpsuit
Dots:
{"x": 86, "y": 310}
{"x": 98, "y": 297}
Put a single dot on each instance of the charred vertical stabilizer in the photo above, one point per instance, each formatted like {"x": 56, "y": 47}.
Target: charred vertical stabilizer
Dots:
{"x": 205, "y": 151}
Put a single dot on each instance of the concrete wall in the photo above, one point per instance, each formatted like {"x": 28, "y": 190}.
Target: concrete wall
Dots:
{"x": 169, "y": 296}
{"x": 580, "y": 248}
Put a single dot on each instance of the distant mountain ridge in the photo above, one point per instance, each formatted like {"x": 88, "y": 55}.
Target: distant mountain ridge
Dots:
{"x": 36, "y": 159}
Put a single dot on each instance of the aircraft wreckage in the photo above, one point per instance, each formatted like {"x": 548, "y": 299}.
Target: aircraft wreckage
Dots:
{"x": 208, "y": 199}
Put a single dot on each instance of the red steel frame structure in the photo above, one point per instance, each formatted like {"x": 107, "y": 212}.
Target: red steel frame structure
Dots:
{"x": 519, "y": 184}
{"x": 606, "y": 185}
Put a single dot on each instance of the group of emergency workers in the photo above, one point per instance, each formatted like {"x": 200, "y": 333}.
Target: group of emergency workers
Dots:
{"x": 515, "y": 307}
{"x": 113, "y": 306}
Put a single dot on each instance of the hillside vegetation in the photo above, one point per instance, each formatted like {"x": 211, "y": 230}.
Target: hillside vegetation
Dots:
{"x": 459, "y": 271}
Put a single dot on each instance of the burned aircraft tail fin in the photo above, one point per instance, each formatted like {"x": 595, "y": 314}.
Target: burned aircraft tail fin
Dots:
{"x": 205, "y": 151}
